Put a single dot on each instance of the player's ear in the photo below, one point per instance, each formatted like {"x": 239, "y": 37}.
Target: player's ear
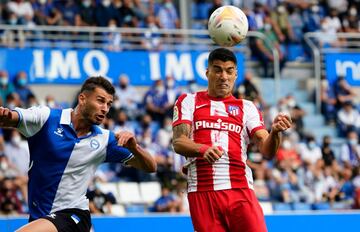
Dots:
{"x": 207, "y": 73}
{"x": 81, "y": 98}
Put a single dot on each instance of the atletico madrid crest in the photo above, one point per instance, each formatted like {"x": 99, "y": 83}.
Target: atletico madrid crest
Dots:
{"x": 234, "y": 110}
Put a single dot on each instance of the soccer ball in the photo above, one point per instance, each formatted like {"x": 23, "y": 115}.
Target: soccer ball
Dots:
{"x": 228, "y": 26}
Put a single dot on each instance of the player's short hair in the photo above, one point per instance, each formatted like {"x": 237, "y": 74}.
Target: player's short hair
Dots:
{"x": 100, "y": 82}
{"x": 222, "y": 54}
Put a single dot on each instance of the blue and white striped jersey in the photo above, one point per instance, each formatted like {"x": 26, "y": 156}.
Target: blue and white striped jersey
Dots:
{"x": 61, "y": 164}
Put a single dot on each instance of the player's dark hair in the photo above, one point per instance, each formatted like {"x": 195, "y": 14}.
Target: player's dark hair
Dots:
{"x": 101, "y": 82}
{"x": 222, "y": 54}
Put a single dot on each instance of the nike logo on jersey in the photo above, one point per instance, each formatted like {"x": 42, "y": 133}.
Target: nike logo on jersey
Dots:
{"x": 200, "y": 106}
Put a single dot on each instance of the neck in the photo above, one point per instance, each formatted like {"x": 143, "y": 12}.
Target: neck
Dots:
{"x": 81, "y": 125}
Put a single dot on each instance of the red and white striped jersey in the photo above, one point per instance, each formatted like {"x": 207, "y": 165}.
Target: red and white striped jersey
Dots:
{"x": 228, "y": 123}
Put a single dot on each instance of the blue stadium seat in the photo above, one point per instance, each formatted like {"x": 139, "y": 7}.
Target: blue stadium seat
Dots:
{"x": 134, "y": 209}
{"x": 282, "y": 207}
{"x": 301, "y": 206}
{"x": 321, "y": 206}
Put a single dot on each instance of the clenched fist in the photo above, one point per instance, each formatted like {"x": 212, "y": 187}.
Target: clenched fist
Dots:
{"x": 281, "y": 123}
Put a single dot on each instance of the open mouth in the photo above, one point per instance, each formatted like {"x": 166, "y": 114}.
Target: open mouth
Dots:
{"x": 100, "y": 117}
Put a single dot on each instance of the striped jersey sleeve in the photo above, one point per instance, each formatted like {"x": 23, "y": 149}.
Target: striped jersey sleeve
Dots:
{"x": 116, "y": 153}
{"x": 183, "y": 109}
{"x": 253, "y": 120}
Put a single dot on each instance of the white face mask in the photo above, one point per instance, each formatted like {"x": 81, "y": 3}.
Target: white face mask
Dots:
{"x": 4, "y": 81}
{"x": 291, "y": 103}
{"x": 4, "y": 165}
{"x": 160, "y": 89}
{"x": 353, "y": 141}
{"x": 312, "y": 145}
{"x": 170, "y": 84}
{"x": 315, "y": 8}
{"x": 267, "y": 26}
{"x": 353, "y": 12}
{"x": 281, "y": 9}
{"x": 16, "y": 140}
{"x": 42, "y": 2}
{"x": 286, "y": 144}
{"x": 106, "y": 3}
{"x": 86, "y": 3}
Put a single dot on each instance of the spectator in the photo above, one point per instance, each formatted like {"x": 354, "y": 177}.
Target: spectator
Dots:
{"x": 166, "y": 202}
{"x": 215, "y": 4}
{"x": 172, "y": 90}
{"x": 164, "y": 135}
{"x": 287, "y": 155}
{"x": 151, "y": 39}
{"x": 348, "y": 119}
{"x": 5, "y": 86}
{"x": 104, "y": 12}
{"x": 99, "y": 202}
{"x": 283, "y": 29}
{"x": 127, "y": 97}
{"x": 113, "y": 38}
{"x": 156, "y": 101}
{"x": 10, "y": 204}
{"x": 263, "y": 51}
{"x": 309, "y": 151}
{"x": 12, "y": 100}
{"x": 350, "y": 151}
{"x": 22, "y": 88}
{"x": 328, "y": 102}
{"x": 312, "y": 18}
{"x": 330, "y": 26}
{"x": 343, "y": 91}
{"x": 86, "y": 15}
{"x": 168, "y": 16}
{"x": 127, "y": 16}
{"x": 17, "y": 152}
{"x": 69, "y": 10}
{"x": 22, "y": 10}
{"x": 122, "y": 123}
{"x": 296, "y": 23}
{"x": 46, "y": 13}
{"x": 328, "y": 155}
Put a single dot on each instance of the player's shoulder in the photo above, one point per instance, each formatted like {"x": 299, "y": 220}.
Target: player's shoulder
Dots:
{"x": 248, "y": 103}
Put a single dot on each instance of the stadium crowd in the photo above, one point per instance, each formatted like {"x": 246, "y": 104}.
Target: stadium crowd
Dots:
{"x": 303, "y": 170}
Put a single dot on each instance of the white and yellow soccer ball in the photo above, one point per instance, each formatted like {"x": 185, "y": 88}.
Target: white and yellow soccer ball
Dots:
{"x": 228, "y": 26}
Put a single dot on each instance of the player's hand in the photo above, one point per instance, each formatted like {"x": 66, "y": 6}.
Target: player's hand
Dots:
{"x": 212, "y": 154}
{"x": 5, "y": 116}
{"x": 126, "y": 139}
{"x": 281, "y": 123}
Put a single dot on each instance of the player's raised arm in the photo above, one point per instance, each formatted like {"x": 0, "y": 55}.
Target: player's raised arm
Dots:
{"x": 8, "y": 118}
{"x": 269, "y": 142}
{"x": 142, "y": 158}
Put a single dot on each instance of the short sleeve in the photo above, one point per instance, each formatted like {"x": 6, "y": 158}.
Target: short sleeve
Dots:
{"x": 32, "y": 120}
{"x": 254, "y": 120}
{"x": 183, "y": 109}
{"x": 116, "y": 153}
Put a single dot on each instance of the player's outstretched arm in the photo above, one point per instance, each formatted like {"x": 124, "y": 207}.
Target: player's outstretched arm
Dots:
{"x": 8, "y": 118}
{"x": 142, "y": 158}
{"x": 268, "y": 143}
{"x": 183, "y": 145}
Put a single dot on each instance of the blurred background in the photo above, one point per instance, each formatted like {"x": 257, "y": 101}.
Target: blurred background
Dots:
{"x": 301, "y": 57}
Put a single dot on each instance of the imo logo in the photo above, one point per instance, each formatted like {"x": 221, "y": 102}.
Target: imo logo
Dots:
{"x": 94, "y": 144}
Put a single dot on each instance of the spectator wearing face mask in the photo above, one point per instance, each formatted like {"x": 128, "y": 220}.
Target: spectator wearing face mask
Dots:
{"x": 350, "y": 150}
{"x": 86, "y": 15}
{"x": 104, "y": 12}
{"x": 6, "y": 87}
{"x": 309, "y": 151}
{"x": 22, "y": 88}
{"x": 99, "y": 202}
{"x": 127, "y": 97}
{"x": 17, "y": 152}
{"x": 168, "y": 16}
{"x": 156, "y": 101}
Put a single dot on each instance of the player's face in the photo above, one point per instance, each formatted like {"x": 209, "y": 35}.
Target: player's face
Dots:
{"x": 221, "y": 78}
{"x": 96, "y": 105}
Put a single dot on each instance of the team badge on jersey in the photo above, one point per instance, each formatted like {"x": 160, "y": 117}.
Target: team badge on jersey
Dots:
{"x": 176, "y": 114}
{"x": 234, "y": 110}
{"x": 94, "y": 144}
